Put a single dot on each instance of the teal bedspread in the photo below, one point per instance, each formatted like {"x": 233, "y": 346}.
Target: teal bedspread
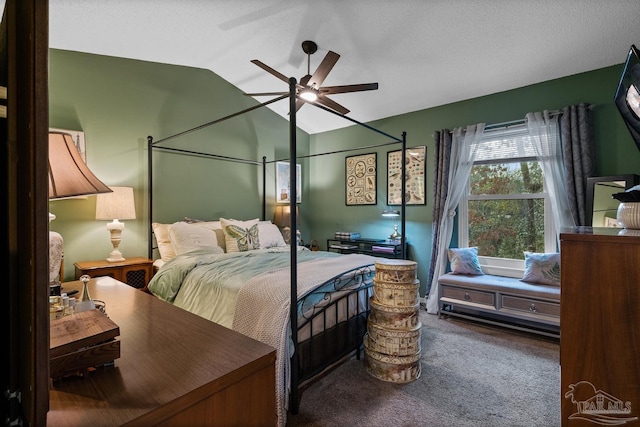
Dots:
{"x": 207, "y": 283}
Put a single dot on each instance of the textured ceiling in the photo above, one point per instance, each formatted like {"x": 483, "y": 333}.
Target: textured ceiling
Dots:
{"x": 423, "y": 53}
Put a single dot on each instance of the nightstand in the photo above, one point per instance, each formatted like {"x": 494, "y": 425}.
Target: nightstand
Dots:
{"x": 134, "y": 271}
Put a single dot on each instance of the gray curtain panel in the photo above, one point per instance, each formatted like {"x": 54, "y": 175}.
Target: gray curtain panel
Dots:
{"x": 440, "y": 186}
{"x": 576, "y": 130}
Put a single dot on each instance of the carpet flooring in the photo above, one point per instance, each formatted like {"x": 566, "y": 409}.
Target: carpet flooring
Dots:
{"x": 471, "y": 375}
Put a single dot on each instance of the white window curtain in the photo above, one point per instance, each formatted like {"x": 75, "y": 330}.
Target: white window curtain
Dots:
{"x": 463, "y": 152}
{"x": 545, "y": 135}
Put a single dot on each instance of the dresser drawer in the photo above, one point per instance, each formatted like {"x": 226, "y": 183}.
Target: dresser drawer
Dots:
{"x": 470, "y": 296}
{"x": 532, "y": 306}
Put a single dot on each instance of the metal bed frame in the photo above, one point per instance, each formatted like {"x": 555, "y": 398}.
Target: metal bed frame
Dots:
{"x": 344, "y": 338}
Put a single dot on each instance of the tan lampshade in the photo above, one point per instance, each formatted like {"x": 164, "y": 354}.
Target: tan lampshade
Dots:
{"x": 282, "y": 216}
{"x": 118, "y": 204}
{"x": 68, "y": 174}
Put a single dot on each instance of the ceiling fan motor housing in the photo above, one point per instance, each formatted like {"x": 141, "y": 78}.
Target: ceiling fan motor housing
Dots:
{"x": 309, "y": 47}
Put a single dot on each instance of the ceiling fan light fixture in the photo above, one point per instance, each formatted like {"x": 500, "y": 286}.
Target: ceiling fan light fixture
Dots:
{"x": 309, "y": 94}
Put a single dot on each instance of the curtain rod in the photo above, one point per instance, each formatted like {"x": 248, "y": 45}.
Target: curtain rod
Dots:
{"x": 495, "y": 126}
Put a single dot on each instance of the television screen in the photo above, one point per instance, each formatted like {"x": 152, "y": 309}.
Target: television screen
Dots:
{"x": 627, "y": 96}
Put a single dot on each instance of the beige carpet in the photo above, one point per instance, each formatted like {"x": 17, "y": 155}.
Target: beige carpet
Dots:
{"x": 472, "y": 375}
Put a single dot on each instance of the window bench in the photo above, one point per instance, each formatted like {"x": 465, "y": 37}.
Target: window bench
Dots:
{"x": 504, "y": 301}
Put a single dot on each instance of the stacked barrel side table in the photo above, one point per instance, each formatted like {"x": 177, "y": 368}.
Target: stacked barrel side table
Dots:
{"x": 392, "y": 341}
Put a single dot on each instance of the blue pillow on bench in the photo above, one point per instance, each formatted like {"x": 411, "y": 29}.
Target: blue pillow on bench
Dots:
{"x": 465, "y": 261}
{"x": 542, "y": 268}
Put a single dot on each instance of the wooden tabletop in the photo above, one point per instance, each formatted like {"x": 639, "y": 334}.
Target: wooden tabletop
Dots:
{"x": 167, "y": 356}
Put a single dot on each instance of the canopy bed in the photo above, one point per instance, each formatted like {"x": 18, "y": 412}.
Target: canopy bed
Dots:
{"x": 323, "y": 296}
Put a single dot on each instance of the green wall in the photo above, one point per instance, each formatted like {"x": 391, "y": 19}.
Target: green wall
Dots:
{"x": 615, "y": 152}
{"x": 118, "y": 102}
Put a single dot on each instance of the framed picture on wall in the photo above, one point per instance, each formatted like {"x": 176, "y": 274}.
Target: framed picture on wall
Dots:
{"x": 282, "y": 182}
{"x": 415, "y": 191}
{"x": 361, "y": 180}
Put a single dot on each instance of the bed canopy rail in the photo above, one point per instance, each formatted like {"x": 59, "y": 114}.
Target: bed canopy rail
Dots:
{"x": 295, "y": 366}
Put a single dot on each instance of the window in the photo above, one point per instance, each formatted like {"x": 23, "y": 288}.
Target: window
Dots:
{"x": 505, "y": 209}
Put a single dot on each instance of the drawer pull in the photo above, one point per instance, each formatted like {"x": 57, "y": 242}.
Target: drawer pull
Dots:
{"x": 467, "y": 297}
{"x": 533, "y": 308}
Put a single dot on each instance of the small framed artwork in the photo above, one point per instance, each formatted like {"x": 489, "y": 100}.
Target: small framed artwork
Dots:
{"x": 361, "y": 180}
{"x": 282, "y": 183}
{"x": 415, "y": 191}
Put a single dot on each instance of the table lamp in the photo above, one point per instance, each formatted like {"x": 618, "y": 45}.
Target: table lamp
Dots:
{"x": 282, "y": 218}
{"x": 115, "y": 206}
{"x": 69, "y": 176}
{"x": 394, "y": 215}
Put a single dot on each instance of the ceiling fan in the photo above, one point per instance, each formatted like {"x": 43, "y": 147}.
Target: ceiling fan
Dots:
{"x": 309, "y": 88}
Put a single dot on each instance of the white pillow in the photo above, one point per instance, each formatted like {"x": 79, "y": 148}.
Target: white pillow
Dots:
{"x": 542, "y": 268}
{"x": 270, "y": 235}
{"x": 240, "y": 236}
{"x": 216, "y": 226}
{"x": 465, "y": 261}
{"x": 161, "y": 231}
{"x": 187, "y": 237}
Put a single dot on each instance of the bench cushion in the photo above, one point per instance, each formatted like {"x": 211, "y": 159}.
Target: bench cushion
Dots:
{"x": 509, "y": 285}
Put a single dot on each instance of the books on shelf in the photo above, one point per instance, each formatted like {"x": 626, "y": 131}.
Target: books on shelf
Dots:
{"x": 342, "y": 246}
{"x": 347, "y": 235}
{"x": 383, "y": 249}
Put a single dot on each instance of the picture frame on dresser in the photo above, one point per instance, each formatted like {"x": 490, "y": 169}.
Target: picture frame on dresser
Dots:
{"x": 415, "y": 182}
{"x": 361, "y": 180}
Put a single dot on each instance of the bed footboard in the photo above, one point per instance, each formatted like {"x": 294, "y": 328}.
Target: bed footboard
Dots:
{"x": 333, "y": 321}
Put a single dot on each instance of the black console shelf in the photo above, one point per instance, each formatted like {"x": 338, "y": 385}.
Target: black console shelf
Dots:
{"x": 385, "y": 248}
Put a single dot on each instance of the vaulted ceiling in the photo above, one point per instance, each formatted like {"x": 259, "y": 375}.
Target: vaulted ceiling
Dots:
{"x": 423, "y": 53}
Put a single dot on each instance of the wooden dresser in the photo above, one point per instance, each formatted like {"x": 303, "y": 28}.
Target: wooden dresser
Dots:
{"x": 600, "y": 327}
{"x": 175, "y": 369}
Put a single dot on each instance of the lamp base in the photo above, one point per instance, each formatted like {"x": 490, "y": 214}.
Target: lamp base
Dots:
{"x": 115, "y": 229}
{"x": 115, "y": 257}
{"x": 395, "y": 234}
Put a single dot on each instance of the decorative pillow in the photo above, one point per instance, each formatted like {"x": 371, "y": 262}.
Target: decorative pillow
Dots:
{"x": 542, "y": 268}
{"x": 270, "y": 235}
{"x": 465, "y": 261}
{"x": 161, "y": 231}
{"x": 240, "y": 236}
{"x": 187, "y": 237}
{"x": 216, "y": 227}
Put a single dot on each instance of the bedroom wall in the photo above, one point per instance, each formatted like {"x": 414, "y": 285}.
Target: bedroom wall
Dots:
{"x": 118, "y": 102}
{"x": 615, "y": 152}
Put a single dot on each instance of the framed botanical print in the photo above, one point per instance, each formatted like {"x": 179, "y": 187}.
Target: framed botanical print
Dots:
{"x": 361, "y": 179}
{"x": 283, "y": 184}
{"x": 415, "y": 191}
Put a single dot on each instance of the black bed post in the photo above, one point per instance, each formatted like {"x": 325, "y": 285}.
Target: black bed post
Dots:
{"x": 403, "y": 217}
{"x": 293, "y": 245}
{"x": 264, "y": 188}
{"x": 149, "y": 194}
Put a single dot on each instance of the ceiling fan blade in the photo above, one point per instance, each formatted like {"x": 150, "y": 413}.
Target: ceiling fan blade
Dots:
{"x": 329, "y": 103}
{"x": 323, "y": 69}
{"x": 299, "y": 103}
{"x": 267, "y": 94}
{"x": 348, "y": 88}
{"x": 270, "y": 70}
